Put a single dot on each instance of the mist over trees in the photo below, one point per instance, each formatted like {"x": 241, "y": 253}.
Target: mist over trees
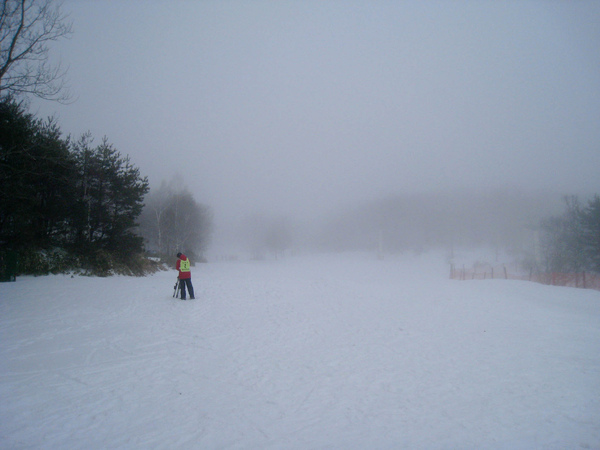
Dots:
{"x": 265, "y": 234}
{"x": 499, "y": 219}
{"x": 570, "y": 243}
{"x": 172, "y": 221}
{"x": 530, "y": 227}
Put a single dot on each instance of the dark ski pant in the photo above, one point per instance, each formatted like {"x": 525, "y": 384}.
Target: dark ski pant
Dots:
{"x": 182, "y": 284}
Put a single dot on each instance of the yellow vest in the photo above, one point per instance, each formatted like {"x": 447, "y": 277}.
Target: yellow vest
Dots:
{"x": 184, "y": 266}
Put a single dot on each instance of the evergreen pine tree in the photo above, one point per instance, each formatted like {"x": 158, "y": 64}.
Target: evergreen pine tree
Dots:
{"x": 591, "y": 234}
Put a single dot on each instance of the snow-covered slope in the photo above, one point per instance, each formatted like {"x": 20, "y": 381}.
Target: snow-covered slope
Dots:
{"x": 308, "y": 352}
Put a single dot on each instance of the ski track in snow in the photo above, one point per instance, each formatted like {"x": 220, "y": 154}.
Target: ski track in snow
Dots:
{"x": 308, "y": 352}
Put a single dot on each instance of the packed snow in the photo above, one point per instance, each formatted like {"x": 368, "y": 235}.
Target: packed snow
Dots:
{"x": 307, "y": 352}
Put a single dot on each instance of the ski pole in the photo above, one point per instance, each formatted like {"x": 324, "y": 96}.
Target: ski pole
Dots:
{"x": 176, "y": 288}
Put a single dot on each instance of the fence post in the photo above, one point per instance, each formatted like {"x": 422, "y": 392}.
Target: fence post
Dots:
{"x": 505, "y": 273}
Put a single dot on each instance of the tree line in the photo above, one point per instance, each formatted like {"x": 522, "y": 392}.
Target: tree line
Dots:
{"x": 70, "y": 204}
{"x": 72, "y": 195}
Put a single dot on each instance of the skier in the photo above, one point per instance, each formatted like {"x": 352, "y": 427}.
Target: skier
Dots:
{"x": 185, "y": 275}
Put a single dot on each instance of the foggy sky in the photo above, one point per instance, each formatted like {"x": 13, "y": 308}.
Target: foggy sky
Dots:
{"x": 298, "y": 107}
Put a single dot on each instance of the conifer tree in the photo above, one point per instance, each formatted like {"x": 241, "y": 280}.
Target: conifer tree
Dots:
{"x": 62, "y": 194}
{"x": 110, "y": 198}
{"x": 37, "y": 177}
{"x": 591, "y": 233}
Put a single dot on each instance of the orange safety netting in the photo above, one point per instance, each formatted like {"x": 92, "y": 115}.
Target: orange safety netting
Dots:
{"x": 585, "y": 280}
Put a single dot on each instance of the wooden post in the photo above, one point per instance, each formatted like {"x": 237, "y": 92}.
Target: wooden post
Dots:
{"x": 505, "y": 274}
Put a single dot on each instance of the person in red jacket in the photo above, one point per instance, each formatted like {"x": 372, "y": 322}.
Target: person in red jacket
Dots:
{"x": 185, "y": 275}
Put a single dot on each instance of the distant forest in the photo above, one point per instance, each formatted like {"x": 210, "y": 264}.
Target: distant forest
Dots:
{"x": 421, "y": 221}
{"x": 553, "y": 233}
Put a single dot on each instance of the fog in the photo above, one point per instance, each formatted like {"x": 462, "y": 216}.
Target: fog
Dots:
{"x": 312, "y": 111}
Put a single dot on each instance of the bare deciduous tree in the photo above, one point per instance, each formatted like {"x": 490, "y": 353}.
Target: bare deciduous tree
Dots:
{"x": 27, "y": 27}
{"x": 173, "y": 221}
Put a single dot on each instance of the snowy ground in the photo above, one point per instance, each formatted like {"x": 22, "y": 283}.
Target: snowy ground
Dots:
{"x": 336, "y": 352}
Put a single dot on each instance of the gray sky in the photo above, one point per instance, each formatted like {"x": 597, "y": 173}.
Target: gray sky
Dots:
{"x": 300, "y": 106}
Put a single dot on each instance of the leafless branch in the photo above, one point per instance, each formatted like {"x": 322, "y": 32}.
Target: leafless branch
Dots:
{"x": 27, "y": 27}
